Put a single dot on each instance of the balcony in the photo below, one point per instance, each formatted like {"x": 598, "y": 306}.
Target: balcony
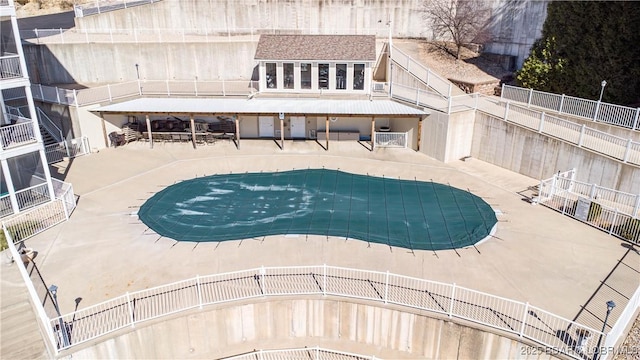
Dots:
{"x": 26, "y": 198}
{"x": 10, "y": 66}
{"x": 19, "y": 134}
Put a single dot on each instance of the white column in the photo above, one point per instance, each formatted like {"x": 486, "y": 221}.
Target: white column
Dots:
{"x": 297, "y": 76}
{"x": 279, "y": 76}
{"x": 9, "y": 182}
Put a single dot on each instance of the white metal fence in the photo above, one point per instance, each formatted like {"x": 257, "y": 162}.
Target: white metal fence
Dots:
{"x": 110, "y": 93}
{"x": 439, "y": 84}
{"x": 518, "y": 318}
{"x": 101, "y": 6}
{"x": 595, "y": 110}
{"x": 10, "y": 67}
{"x": 20, "y": 133}
{"x": 613, "y": 211}
{"x": 391, "y": 139}
{"x": 73, "y": 148}
{"x": 309, "y": 353}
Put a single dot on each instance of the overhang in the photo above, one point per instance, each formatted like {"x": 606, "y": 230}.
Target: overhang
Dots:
{"x": 333, "y": 107}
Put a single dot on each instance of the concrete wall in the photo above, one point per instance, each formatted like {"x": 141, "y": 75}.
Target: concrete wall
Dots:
{"x": 515, "y": 26}
{"x": 113, "y": 63}
{"x": 359, "y": 328}
{"x": 539, "y": 156}
{"x": 448, "y": 137}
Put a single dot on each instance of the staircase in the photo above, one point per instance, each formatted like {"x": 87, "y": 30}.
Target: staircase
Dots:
{"x": 47, "y": 138}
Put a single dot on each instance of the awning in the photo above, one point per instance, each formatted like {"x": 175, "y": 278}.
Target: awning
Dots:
{"x": 328, "y": 107}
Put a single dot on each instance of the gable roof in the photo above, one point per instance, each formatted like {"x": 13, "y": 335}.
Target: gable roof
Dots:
{"x": 317, "y": 47}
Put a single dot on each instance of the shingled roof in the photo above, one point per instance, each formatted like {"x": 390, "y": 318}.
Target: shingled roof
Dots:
{"x": 317, "y": 47}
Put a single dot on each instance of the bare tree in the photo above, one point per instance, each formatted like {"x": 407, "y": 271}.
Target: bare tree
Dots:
{"x": 461, "y": 21}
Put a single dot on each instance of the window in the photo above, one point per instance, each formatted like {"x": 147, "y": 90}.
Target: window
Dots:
{"x": 288, "y": 75}
{"x": 305, "y": 76}
{"x": 272, "y": 79}
{"x": 323, "y": 76}
{"x": 341, "y": 76}
{"x": 358, "y": 76}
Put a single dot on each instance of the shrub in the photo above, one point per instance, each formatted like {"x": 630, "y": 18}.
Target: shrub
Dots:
{"x": 630, "y": 230}
{"x": 595, "y": 210}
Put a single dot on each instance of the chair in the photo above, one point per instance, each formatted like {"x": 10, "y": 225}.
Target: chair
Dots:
{"x": 117, "y": 139}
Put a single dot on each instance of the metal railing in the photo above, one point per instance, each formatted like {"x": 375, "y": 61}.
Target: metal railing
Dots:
{"x": 315, "y": 353}
{"x": 441, "y": 85}
{"x": 10, "y": 67}
{"x": 109, "y": 93}
{"x": 102, "y": 6}
{"x": 48, "y": 124}
{"x": 18, "y": 134}
{"x": 612, "y": 211}
{"x": 391, "y": 139}
{"x": 67, "y": 148}
{"x": 618, "y": 330}
{"x": 589, "y": 109}
{"x": 449, "y": 300}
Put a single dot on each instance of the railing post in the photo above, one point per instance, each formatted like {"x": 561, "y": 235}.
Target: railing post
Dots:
{"x": 195, "y": 86}
{"x": 615, "y": 217}
{"x": 564, "y": 206}
{"x": 506, "y": 111}
{"x": 317, "y": 352}
{"x": 541, "y": 127}
{"x": 595, "y": 114}
{"x": 502, "y": 92}
{"x": 592, "y": 194}
{"x": 109, "y": 92}
{"x": 131, "y": 317}
{"x": 168, "y": 90}
{"x": 636, "y": 208}
{"x": 61, "y": 35}
{"x": 324, "y": 280}
{"x": 635, "y": 121}
{"x": 261, "y": 280}
{"x": 41, "y": 93}
{"x": 199, "y": 288}
{"x": 524, "y": 318}
{"x": 453, "y": 294}
{"x": 627, "y": 151}
{"x": 386, "y": 288}
{"x": 417, "y": 97}
{"x": 58, "y": 95}
{"x": 66, "y": 147}
{"x": 64, "y": 208}
{"x": 581, "y": 135}
{"x": 530, "y": 96}
{"x": 75, "y": 97}
{"x": 561, "y": 104}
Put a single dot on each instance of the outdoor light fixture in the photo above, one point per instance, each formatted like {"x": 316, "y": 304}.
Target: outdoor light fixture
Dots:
{"x": 610, "y": 306}
{"x": 602, "y": 84}
{"x": 53, "y": 290}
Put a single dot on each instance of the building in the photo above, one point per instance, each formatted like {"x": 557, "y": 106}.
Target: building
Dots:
{"x": 25, "y": 180}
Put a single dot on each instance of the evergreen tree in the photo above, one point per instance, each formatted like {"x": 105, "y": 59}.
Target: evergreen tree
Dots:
{"x": 584, "y": 43}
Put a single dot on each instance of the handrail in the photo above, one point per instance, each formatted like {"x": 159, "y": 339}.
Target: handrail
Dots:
{"x": 441, "y": 86}
{"x": 617, "y": 115}
{"x": 52, "y": 128}
{"x": 299, "y": 353}
{"x": 515, "y": 317}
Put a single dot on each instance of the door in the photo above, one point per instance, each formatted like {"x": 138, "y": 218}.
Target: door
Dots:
{"x": 265, "y": 126}
{"x": 298, "y": 129}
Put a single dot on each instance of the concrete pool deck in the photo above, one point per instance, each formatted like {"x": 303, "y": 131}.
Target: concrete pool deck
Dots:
{"x": 537, "y": 255}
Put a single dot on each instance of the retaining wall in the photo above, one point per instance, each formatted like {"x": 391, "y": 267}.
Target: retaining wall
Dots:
{"x": 381, "y": 331}
{"x": 539, "y": 156}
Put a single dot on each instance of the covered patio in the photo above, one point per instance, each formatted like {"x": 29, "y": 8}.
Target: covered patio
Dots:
{"x": 273, "y": 119}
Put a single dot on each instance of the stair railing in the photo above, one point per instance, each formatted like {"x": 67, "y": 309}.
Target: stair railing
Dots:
{"x": 48, "y": 125}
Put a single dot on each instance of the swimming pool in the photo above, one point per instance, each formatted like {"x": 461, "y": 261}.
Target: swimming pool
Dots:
{"x": 404, "y": 213}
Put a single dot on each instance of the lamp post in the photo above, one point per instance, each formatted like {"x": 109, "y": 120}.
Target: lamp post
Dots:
{"x": 610, "y": 306}
{"x": 602, "y": 84}
{"x": 53, "y": 290}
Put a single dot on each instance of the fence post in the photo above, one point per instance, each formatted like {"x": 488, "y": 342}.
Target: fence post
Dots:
{"x": 502, "y": 92}
{"x": 64, "y": 208}
{"x": 530, "y": 96}
{"x": 593, "y": 191}
{"x": 564, "y": 206}
{"x": 324, "y": 280}
{"x": 417, "y": 97}
{"x": 615, "y": 217}
{"x": 195, "y": 86}
{"x": 261, "y": 280}
{"x": 386, "y": 288}
{"x": 61, "y": 35}
{"x": 541, "y": 127}
{"x": 524, "y": 318}
{"x": 453, "y": 294}
{"x": 581, "y": 135}
{"x": 627, "y": 151}
{"x": 317, "y": 352}
{"x": 66, "y": 147}
{"x": 109, "y": 92}
{"x": 635, "y": 121}
{"x": 133, "y": 320}
{"x": 139, "y": 88}
{"x": 58, "y": 95}
{"x": 506, "y": 111}
{"x": 561, "y": 104}
{"x": 595, "y": 114}
{"x": 636, "y": 208}
{"x": 199, "y": 289}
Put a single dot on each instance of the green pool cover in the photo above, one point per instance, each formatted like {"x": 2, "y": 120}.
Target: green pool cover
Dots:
{"x": 404, "y": 213}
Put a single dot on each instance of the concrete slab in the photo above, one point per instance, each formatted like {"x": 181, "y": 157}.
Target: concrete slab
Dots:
{"x": 103, "y": 251}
